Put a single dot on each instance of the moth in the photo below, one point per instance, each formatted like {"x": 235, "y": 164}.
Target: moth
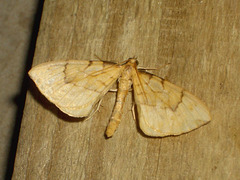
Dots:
{"x": 77, "y": 87}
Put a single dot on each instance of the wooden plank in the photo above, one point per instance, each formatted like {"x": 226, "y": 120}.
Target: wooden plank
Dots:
{"x": 201, "y": 41}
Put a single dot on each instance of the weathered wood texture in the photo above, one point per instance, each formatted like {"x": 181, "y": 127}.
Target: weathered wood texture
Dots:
{"x": 201, "y": 41}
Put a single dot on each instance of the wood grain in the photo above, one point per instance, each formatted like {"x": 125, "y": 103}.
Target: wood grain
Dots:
{"x": 201, "y": 41}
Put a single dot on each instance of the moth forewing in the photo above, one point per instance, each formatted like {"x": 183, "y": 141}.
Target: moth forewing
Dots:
{"x": 75, "y": 87}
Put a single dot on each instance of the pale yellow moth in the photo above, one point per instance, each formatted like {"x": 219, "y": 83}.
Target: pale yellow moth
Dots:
{"x": 77, "y": 87}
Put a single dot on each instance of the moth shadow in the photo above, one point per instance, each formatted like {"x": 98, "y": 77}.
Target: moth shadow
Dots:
{"x": 46, "y": 104}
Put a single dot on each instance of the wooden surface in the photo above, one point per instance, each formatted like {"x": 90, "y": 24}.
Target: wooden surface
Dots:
{"x": 201, "y": 41}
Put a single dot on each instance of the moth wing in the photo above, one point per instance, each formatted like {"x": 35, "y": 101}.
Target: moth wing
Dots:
{"x": 164, "y": 108}
{"x": 75, "y": 86}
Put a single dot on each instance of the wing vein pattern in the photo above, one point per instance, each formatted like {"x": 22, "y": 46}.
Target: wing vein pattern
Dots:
{"x": 75, "y": 87}
{"x": 164, "y": 108}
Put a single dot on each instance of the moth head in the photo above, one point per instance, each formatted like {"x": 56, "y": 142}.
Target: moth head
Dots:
{"x": 133, "y": 61}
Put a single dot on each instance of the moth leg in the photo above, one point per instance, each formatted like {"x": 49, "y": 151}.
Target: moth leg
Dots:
{"x": 98, "y": 57}
{"x": 115, "y": 90}
{"x": 145, "y": 69}
{"x": 133, "y": 112}
{"x": 95, "y": 109}
{"x": 99, "y": 104}
{"x": 112, "y": 90}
